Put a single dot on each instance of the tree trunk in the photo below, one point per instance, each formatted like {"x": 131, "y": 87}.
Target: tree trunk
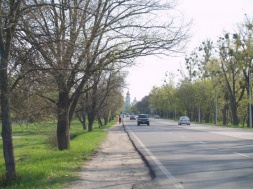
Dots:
{"x": 234, "y": 115}
{"x": 84, "y": 123}
{"x": 63, "y": 124}
{"x": 224, "y": 117}
{"x": 105, "y": 121}
{"x": 91, "y": 119}
{"x": 73, "y": 106}
{"x": 100, "y": 122}
{"x": 81, "y": 115}
{"x": 8, "y": 149}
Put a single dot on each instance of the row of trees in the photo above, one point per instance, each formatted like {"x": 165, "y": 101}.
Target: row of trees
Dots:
{"x": 216, "y": 86}
{"x": 64, "y": 58}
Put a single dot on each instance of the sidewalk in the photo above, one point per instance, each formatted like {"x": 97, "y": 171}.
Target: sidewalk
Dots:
{"x": 116, "y": 165}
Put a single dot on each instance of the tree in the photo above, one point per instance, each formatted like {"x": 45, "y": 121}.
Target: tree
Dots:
{"x": 169, "y": 90}
{"x": 9, "y": 17}
{"x": 104, "y": 83}
{"x": 113, "y": 82}
{"x": 232, "y": 75}
{"x": 154, "y": 96}
{"x": 113, "y": 103}
{"x": 187, "y": 99}
{"x": 143, "y": 105}
{"x": 74, "y": 39}
{"x": 244, "y": 56}
{"x": 103, "y": 100}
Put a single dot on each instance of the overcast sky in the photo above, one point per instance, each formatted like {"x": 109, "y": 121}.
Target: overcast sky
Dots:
{"x": 210, "y": 19}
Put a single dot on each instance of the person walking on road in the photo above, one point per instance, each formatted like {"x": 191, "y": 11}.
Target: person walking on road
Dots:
{"x": 119, "y": 119}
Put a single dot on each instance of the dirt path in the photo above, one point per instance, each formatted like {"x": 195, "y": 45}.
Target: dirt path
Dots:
{"x": 116, "y": 165}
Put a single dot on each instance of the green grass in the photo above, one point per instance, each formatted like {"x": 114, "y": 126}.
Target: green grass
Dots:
{"x": 39, "y": 165}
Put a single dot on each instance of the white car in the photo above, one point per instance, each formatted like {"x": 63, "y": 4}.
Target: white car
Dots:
{"x": 184, "y": 120}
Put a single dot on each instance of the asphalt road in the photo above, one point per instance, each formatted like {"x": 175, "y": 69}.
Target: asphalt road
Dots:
{"x": 195, "y": 156}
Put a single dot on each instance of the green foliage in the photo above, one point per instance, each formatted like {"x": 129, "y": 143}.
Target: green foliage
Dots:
{"x": 41, "y": 166}
{"x": 216, "y": 78}
{"x": 142, "y": 106}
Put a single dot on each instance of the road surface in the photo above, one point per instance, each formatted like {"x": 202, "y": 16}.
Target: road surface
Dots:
{"x": 195, "y": 156}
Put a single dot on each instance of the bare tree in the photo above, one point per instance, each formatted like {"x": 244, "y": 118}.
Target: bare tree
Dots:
{"x": 105, "y": 84}
{"x": 231, "y": 71}
{"x": 114, "y": 102}
{"x": 9, "y": 16}
{"x": 13, "y": 68}
{"x": 75, "y": 39}
{"x": 108, "y": 101}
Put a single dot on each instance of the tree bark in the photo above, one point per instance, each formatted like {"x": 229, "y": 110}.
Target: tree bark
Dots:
{"x": 224, "y": 117}
{"x": 8, "y": 148}
{"x": 81, "y": 115}
{"x": 100, "y": 122}
{"x": 91, "y": 119}
{"x": 235, "y": 120}
{"x": 84, "y": 123}
{"x": 8, "y": 26}
{"x": 63, "y": 123}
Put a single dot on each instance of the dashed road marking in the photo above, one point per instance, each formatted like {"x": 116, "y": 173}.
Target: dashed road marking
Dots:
{"x": 241, "y": 154}
{"x": 202, "y": 142}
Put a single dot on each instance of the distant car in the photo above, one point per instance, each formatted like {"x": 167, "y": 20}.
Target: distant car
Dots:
{"x": 184, "y": 120}
{"x": 157, "y": 117}
{"x": 132, "y": 117}
{"x": 142, "y": 119}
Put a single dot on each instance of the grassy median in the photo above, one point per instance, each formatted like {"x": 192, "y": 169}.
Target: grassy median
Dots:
{"x": 40, "y": 164}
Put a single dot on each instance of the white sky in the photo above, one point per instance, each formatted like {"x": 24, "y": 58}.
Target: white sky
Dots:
{"x": 210, "y": 19}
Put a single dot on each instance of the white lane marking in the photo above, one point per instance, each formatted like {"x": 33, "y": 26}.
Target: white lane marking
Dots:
{"x": 202, "y": 142}
{"x": 241, "y": 154}
{"x": 158, "y": 163}
{"x": 242, "y": 135}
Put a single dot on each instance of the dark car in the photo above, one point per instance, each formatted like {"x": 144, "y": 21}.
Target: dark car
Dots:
{"x": 142, "y": 119}
{"x": 132, "y": 117}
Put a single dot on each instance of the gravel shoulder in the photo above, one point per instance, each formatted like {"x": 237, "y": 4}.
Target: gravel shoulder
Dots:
{"x": 116, "y": 165}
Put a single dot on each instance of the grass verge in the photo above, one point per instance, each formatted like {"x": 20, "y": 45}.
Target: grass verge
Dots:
{"x": 39, "y": 165}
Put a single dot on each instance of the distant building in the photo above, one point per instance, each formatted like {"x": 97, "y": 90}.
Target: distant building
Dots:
{"x": 127, "y": 103}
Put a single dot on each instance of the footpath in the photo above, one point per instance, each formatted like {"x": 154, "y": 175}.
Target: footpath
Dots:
{"x": 116, "y": 165}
